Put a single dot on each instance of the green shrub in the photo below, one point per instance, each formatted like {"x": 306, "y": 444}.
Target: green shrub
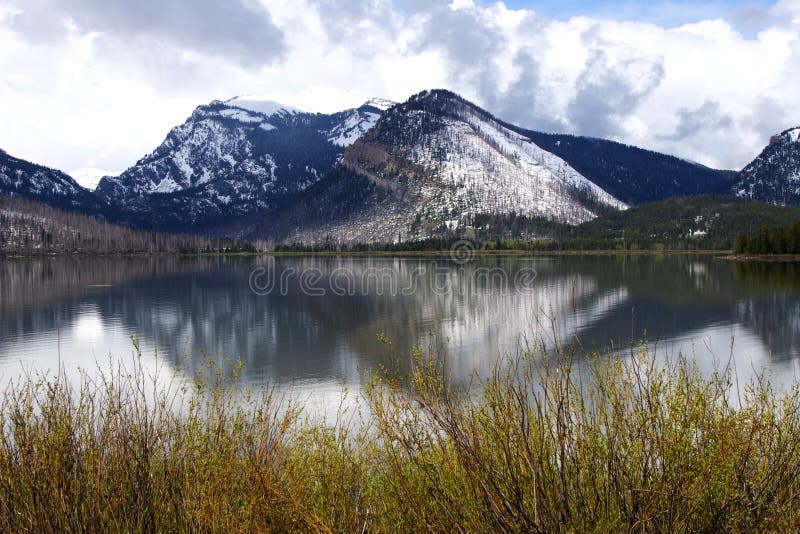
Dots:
{"x": 542, "y": 445}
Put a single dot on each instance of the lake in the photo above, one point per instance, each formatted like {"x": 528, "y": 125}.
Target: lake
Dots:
{"x": 313, "y": 323}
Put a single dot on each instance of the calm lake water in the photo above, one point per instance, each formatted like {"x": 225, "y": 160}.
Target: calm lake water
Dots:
{"x": 312, "y": 323}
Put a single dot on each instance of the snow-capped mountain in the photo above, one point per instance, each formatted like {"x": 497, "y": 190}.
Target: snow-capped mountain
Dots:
{"x": 23, "y": 178}
{"x": 432, "y": 165}
{"x": 234, "y": 158}
{"x": 774, "y": 176}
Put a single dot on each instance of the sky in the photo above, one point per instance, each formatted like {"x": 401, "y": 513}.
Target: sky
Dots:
{"x": 99, "y": 83}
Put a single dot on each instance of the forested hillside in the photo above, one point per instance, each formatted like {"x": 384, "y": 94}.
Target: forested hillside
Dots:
{"x": 710, "y": 222}
{"x": 28, "y": 227}
{"x": 781, "y": 240}
{"x": 701, "y": 222}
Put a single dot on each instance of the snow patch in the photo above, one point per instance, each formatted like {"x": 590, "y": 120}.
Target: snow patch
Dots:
{"x": 352, "y": 128}
{"x": 240, "y": 115}
{"x": 380, "y": 103}
{"x": 534, "y": 159}
{"x": 181, "y": 160}
{"x": 167, "y": 185}
{"x": 794, "y": 135}
{"x": 265, "y": 107}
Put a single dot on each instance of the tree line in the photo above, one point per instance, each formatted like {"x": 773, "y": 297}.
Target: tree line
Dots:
{"x": 770, "y": 241}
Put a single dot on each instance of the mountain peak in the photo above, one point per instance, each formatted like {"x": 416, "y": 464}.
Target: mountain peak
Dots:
{"x": 234, "y": 158}
{"x": 258, "y": 105}
{"x": 436, "y": 97}
{"x": 774, "y": 176}
{"x": 793, "y": 135}
{"x": 435, "y": 94}
{"x": 444, "y": 103}
{"x": 379, "y": 103}
{"x": 438, "y": 161}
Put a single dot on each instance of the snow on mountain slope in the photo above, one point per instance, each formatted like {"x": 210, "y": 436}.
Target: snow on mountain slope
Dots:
{"x": 23, "y": 178}
{"x": 263, "y": 107}
{"x": 380, "y": 103}
{"x": 89, "y": 177}
{"x": 632, "y": 175}
{"x": 472, "y": 164}
{"x": 506, "y": 172}
{"x": 356, "y": 124}
{"x": 234, "y": 158}
{"x": 774, "y": 176}
{"x": 431, "y": 166}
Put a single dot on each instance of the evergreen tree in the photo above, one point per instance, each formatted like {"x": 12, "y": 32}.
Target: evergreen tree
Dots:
{"x": 741, "y": 245}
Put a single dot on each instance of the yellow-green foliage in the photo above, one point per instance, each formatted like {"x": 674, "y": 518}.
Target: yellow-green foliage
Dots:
{"x": 630, "y": 445}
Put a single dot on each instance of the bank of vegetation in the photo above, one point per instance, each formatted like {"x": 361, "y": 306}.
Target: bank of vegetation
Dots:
{"x": 634, "y": 446}
{"x": 706, "y": 222}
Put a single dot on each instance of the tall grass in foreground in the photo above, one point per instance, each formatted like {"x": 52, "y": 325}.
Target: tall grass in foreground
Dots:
{"x": 637, "y": 446}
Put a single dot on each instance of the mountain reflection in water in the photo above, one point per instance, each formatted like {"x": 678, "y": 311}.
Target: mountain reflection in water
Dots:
{"x": 84, "y": 311}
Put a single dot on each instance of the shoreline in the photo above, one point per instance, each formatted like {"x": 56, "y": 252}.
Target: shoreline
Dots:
{"x": 385, "y": 253}
{"x": 721, "y": 254}
{"x": 767, "y": 258}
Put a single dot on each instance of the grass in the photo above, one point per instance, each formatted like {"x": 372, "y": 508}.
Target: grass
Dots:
{"x": 628, "y": 445}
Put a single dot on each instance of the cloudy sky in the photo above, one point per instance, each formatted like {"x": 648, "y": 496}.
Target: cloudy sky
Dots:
{"x": 99, "y": 83}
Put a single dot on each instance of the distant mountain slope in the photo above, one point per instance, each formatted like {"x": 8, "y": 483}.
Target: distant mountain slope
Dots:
{"x": 632, "y": 174}
{"x": 234, "y": 158}
{"x": 710, "y": 218}
{"x": 774, "y": 176}
{"x": 89, "y": 177}
{"x": 429, "y": 166}
{"x": 28, "y": 227}
{"x": 25, "y": 179}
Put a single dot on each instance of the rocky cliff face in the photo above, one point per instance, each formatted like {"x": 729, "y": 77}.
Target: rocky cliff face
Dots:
{"x": 774, "y": 176}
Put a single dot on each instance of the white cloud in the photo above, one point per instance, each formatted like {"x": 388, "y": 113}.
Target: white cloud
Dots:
{"x": 82, "y": 91}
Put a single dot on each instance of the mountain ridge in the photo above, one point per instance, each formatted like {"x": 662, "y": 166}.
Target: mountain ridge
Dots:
{"x": 19, "y": 177}
{"x": 433, "y": 165}
{"x": 228, "y": 161}
{"x": 633, "y": 174}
